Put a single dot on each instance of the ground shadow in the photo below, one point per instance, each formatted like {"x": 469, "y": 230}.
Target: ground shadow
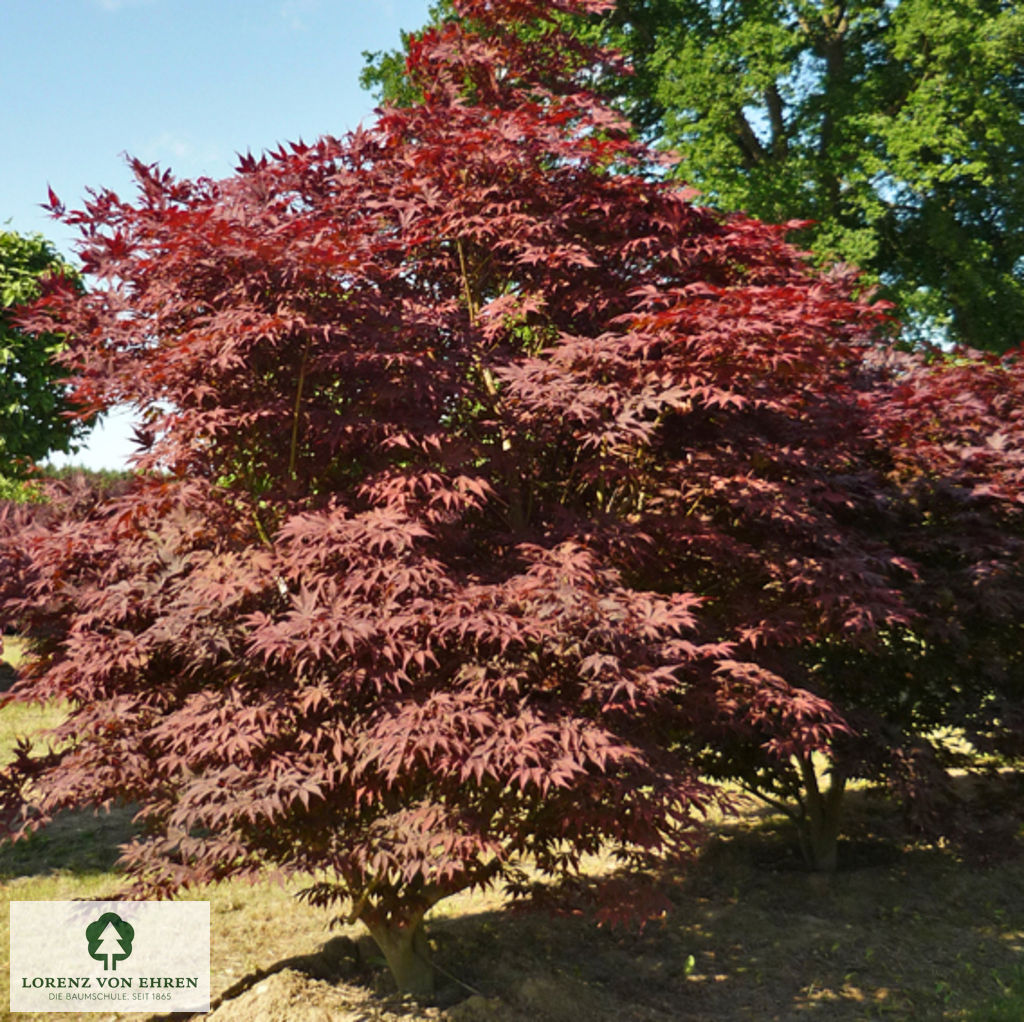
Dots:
{"x": 902, "y": 930}
{"x": 80, "y": 841}
{"x": 8, "y": 676}
{"x": 905, "y": 931}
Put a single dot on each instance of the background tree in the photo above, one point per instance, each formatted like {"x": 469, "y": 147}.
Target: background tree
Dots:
{"x": 897, "y": 128}
{"x": 36, "y": 415}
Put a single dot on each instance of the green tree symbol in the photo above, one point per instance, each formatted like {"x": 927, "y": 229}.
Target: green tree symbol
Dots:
{"x": 110, "y": 939}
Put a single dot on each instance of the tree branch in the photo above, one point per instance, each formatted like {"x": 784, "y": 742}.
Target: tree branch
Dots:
{"x": 749, "y": 143}
{"x": 293, "y": 454}
{"x": 780, "y": 137}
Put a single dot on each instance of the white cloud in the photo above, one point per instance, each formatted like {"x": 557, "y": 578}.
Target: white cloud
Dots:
{"x": 167, "y": 145}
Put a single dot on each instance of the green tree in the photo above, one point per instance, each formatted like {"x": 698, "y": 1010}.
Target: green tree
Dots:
{"x": 896, "y": 127}
{"x": 35, "y": 405}
{"x": 384, "y": 74}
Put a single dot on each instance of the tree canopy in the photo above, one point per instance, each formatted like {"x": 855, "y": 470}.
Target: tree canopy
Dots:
{"x": 488, "y": 482}
{"x": 36, "y": 415}
{"x": 382, "y": 619}
{"x": 897, "y": 128}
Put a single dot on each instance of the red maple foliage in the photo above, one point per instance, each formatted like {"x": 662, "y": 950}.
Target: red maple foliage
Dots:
{"x": 930, "y": 504}
{"x": 483, "y": 476}
{"x": 954, "y": 427}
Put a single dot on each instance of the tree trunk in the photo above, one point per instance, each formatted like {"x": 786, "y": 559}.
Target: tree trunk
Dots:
{"x": 820, "y": 825}
{"x": 405, "y": 949}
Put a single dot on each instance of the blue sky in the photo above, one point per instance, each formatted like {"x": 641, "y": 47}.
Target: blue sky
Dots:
{"x": 185, "y": 83}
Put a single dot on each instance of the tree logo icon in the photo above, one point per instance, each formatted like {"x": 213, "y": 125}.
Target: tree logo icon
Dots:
{"x": 110, "y": 940}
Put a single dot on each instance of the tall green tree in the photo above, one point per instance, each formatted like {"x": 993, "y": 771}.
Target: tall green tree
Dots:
{"x": 35, "y": 411}
{"x": 896, "y": 127}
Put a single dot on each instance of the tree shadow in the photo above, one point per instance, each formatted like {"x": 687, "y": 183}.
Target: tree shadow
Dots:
{"x": 900, "y": 930}
{"x": 80, "y": 841}
{"x": 903, "y": 929}
{"x": 8, "y": 676}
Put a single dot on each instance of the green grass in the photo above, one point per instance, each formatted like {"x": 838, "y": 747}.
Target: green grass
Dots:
{"x": 11, "y": 655}
{"x": 1007, "y": 1005}
{"x": 18, "y": 720}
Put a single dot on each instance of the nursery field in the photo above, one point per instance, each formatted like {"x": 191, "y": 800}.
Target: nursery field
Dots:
{"x": 902, "y": 931}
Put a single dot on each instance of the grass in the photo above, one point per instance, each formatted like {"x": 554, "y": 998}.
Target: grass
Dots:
{"x": 12, "y": 652}
{"x": 1008, "y": 1004}
{"x": 21, "y": 721}
{"x": 17, "y": 720}
{"x": 902, "y": 931}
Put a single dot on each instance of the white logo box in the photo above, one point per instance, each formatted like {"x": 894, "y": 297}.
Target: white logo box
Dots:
{"x": 123, "y": 956}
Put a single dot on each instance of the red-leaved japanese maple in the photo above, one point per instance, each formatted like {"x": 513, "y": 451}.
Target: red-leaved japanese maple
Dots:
{"x": 954, "y": 430}
{"x": 918, "y": 502}
{"x": 457, "y": 429}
